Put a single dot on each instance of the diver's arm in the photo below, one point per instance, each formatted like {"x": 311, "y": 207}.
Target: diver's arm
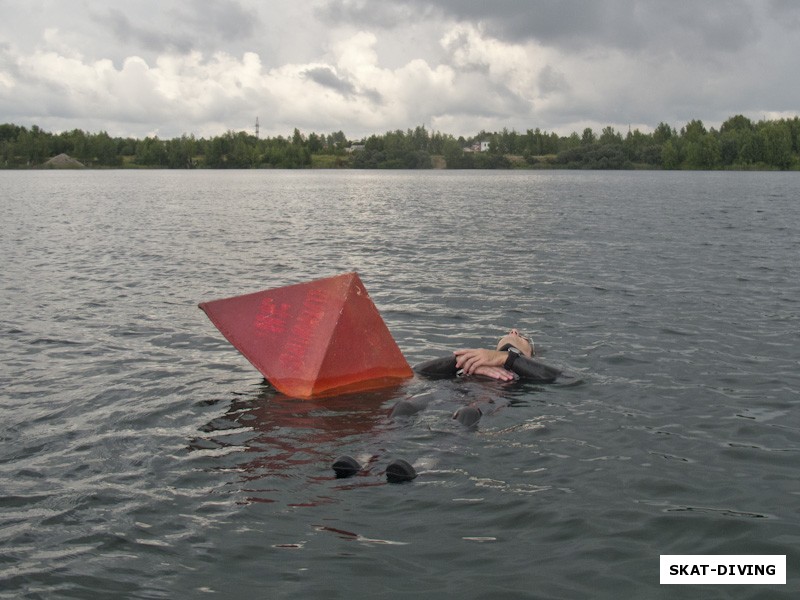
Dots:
{"x": 529, "y": 368}
{"x": 525, "y": 368}
{"x": 470, "y": 359}
{"x": 438, "y": 367}
{"x": 446, "y": 367}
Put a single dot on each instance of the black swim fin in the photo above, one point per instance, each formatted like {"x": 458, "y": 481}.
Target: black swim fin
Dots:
{"x": 345, "y": 466}
{"x": 468, "y": 415}
{"x": 410, "y": 406}
{"x": 399, "y": 471}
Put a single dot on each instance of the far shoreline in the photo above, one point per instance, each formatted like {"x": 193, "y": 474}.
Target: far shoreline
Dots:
{"x": 738, "y": 145}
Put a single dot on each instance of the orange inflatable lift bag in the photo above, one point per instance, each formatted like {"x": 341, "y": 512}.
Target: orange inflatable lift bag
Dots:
{"x": 317, "y": 338}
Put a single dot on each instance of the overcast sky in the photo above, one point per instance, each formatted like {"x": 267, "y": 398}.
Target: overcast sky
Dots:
{"x": 168, "y": 67}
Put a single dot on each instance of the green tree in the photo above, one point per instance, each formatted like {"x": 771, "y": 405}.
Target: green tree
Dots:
{"x": 33, "y": 145}
{"x": 104, "y": 150}
{"x": 315, "y": 143}
{"x": 662, "y": 133}
{"x": 242, "y": 154}
{"x": 639, "y": 148}
{"x": 702, "y": 151}
{"x": 151, "y": 152}
{"x": 694, "y": 131}
{"x": 671, "y": 155}
{"x": 180, "y": 152}
{"x": 454, "y": 154}
{"x": 557, "y": 144}
{"x": 419, "y": 138}
{"x": 751, "y": 149}
{"x": 737, "y": 123}
{"x": 777, "y": 143}
{"x": 610, "y": 136}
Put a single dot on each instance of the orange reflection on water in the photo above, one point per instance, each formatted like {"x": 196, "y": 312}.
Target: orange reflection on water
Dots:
{"x": 277, "y": 444}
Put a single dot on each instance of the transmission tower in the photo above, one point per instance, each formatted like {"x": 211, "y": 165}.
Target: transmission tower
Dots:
{"x": 256, "y": 127}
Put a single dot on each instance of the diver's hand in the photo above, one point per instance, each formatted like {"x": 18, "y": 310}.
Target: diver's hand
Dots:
{"x": 498, "y": 373}
{"x": 470, "y": 359}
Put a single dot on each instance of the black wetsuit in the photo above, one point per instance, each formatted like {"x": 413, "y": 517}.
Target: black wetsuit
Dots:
{"x": 525, "y": 368}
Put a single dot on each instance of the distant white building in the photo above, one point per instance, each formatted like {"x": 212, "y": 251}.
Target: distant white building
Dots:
{"x": 478, "y": 147}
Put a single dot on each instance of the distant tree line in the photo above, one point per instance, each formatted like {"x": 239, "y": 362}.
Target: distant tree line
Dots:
{"x": 739, "y": 143}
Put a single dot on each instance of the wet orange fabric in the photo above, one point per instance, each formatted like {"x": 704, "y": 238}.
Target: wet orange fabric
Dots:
{"x": 316, "y": 338}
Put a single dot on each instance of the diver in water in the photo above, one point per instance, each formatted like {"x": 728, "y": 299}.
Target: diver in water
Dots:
{"x": 512, "y": 359}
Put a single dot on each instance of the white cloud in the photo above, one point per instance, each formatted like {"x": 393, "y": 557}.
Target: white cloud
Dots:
{"x": 363, "y": 68}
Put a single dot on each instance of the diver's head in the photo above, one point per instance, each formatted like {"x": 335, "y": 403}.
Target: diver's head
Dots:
{"x": 519, "y": 341}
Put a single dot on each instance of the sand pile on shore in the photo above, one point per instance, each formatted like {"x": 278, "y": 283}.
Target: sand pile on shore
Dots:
{"x": 63, "y": 161}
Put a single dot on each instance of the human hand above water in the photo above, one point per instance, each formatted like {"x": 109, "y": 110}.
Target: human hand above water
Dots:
{"x": 470, "y": 359}
{"x": 498, "y": 373}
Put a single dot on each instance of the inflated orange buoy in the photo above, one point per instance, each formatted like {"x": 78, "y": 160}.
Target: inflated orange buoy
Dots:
{"x": 321, "y": 337}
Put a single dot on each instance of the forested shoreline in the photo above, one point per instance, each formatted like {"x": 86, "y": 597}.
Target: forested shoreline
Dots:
{"x": 739, "y": 143}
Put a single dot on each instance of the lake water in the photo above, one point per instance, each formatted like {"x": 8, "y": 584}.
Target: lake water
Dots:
{"x": 142, "y": 457}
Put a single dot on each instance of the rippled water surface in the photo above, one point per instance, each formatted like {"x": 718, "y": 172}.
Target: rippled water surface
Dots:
{"x": 142, "y": 457}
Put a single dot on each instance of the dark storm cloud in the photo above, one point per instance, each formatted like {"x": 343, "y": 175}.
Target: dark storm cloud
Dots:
{"x": 679, "y": 26}
{"x": 149, "y": 38}
{"x": 227, "y": 20}
{"x": 382, "y": 14}
{"x": 325, "y": 77}
{"x": 550, "y": 80}
{"x": 198, "y": 25}
{"x": 518, "y": 20}
{"x": 787, "y": 12}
